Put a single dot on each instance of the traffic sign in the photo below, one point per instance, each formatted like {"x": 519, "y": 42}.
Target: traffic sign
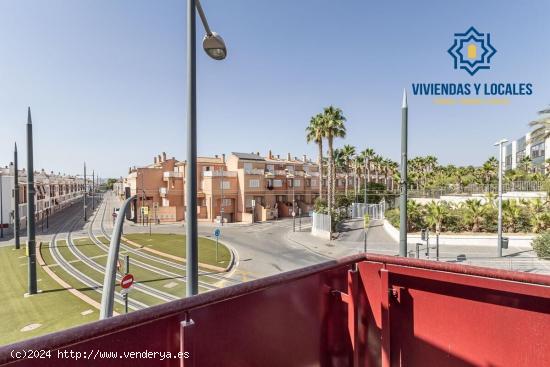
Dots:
{"x": 217, "y": 232}
{"x": 293, "y": 213}
{"x": 127, "y": 281}
{"x": 145, "y": 210}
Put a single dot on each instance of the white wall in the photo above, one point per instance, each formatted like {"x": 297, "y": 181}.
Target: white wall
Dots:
{"x": 7, "y": 201}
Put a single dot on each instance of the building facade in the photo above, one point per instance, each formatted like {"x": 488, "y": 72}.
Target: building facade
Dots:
{"x": 535, "y": 145}
{"x": 54, "y": 192}
{"x": 240, "y": 188}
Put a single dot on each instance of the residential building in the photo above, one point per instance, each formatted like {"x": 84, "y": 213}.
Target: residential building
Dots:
{"x": 242, "y": 188}
{"x": 535, "y": 145}
{"x": 54, "y": 192}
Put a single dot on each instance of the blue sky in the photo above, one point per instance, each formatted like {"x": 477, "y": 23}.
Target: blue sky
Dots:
{"x": 106, "y": 79}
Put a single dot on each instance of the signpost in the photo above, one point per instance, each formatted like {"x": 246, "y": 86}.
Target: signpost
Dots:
{"x": 253, "y": 202}
{"x": 217, "y": 233}
{"x": 126, "y": 282}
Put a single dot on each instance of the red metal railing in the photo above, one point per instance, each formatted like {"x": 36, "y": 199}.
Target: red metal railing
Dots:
{"x": 359, "y": 311}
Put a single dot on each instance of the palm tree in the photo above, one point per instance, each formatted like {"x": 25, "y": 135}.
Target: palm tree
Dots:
{"x": 377, "y": 161}
{"x": 489, "y": 170}
{"x": 315, "y": 134}
{"x": 368, "y": 154}
{"x": 474, "y": 213}
{"x": 543, "y": 122}
{"x": 348, "y": 152}
{"x": 333, "y": 127}
{"x": 436, "y": 212}
{"x": 357, "y": 163}
{"x": 511, "y": 214}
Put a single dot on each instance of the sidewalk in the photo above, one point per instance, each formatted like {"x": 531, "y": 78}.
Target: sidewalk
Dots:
{"x": 351, "y": 241}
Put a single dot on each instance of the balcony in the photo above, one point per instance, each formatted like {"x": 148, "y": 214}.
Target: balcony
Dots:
{"x": 365, "y": 310}
{"x": 254, "y": 171}
{"x": 219, "y": 174}
{"x": 172, "y": 174}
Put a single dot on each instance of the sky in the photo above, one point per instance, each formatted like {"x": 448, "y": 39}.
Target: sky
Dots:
{"x": 106, "y": 80}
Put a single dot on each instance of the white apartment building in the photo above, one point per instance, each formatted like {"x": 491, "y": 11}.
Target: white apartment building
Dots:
{"x": 533, "y": 145}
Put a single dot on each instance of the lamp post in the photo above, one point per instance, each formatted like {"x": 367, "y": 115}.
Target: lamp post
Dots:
{"x": 499, "y": 229}
{"x": 290, "y": 176}
{"x": 214, "y": 47}
{"x": 31, "y": 231}
{"x": 16, "y": 219}
{"x": 221, "y": 209}
{"x": 403, "y": 196}
{"x": 85, "y": 190}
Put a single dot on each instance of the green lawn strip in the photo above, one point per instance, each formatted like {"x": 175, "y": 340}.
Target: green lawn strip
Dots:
{"x": 99, "y": 276}
{"x": 75, "y": 283}
{"x": 141, "y": 275}
{"x": 53, "y": 308}
{"x": 174, "y": 244}
{"x": 157, "y": 264}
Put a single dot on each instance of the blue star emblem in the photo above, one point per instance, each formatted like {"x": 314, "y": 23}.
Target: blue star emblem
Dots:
{"x": 472, "y": 51}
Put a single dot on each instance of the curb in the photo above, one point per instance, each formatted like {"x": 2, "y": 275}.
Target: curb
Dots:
{"x": 178, "y": 258}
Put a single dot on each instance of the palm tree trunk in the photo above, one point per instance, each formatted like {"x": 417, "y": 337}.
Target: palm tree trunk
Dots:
{"x": 330, "y": 172}
{"x": 330, "y": 191}
{"x": 320, "y": 165}
{"x": 346, "y": 185}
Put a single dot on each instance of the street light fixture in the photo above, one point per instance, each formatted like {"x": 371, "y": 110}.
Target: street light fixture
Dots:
{"x": 214, "y": 46}
{"x": 499, "y": 230}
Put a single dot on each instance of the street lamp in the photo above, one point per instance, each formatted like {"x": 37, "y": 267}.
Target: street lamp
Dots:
{"x": 499, "y": 230}
{"x": 214, "y": 46}
{"x": 288, "y": 177}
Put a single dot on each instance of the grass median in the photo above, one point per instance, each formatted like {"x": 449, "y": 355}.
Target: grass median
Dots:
{"x": 53, "y": 309}
{"x": 174, "y": 244}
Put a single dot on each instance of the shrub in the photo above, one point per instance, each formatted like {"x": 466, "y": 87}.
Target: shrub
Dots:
{"x": 541, "y": 245}
{"x": 392, "y": 215}
{"x": 320, "y": 206}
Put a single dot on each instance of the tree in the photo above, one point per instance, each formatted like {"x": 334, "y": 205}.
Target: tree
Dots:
{"x": 435, "y": 214}
{"x": 333, "y": 127}
{"x": 474, "y": 213}
{"x": 348, "y": 153}
{"x": 489, "y": 170}
{"x": 543, "y": 122}
{"x": 314, "y": 134}
{"x": 368, "y": 154}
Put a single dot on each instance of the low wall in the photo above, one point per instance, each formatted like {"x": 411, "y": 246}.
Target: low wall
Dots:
{"x": 461, "y": 239}
{"x": 321, "y": 226}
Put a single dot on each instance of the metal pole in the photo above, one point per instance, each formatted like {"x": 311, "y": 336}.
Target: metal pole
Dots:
{"x": 108, "y": 295}
{"x": 192, "y": 287}
{"x": 293, "y": 209}
{"x": 216, "y": 248}
{"x": 93, "y": 190}
{"x": 403, "y": 198}
{"x": 31, "y": 231}
{"x": 221, "y": 210}
{"x": 85, "y": 189}
{"x": 437, "y": 245}
{"x": 127, "y": 260}
{"x": 16, "y": 199}
{"x": 499, "y": 230}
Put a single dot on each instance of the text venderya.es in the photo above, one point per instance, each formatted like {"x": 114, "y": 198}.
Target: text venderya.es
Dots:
{"x": 466, "y": 89}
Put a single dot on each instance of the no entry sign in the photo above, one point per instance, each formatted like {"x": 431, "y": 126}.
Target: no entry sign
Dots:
{"x": 127, "y": 281}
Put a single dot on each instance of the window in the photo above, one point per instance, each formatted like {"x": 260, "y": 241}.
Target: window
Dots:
{"x": 226, "y": 202}
{"x": 277, "y": 183}
{"x": 225, "y": 185}
{"x": 297, "y": 183}
{"x": 254, "y": 183}
{"x": 270, "y": 168}
{"x": 520, "y": 155}
{"x": 314, "y": 183}
{"x": 247, "y": 167}
{"x": 290, "y": 168}
{"x": 207, "y": 168}
{"x": 509, "y": 160}
{"x": 248, "y": 202}
{"x": 537, "y": 150}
